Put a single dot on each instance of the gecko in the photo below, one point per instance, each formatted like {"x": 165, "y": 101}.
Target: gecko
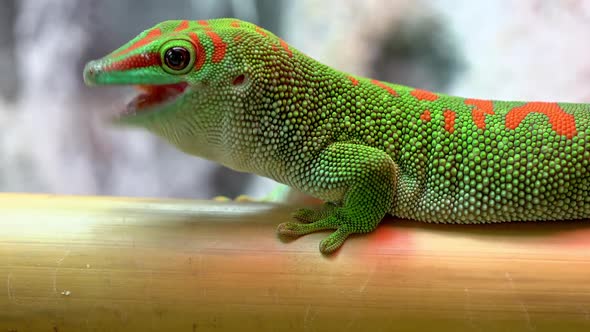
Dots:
{"x": 237, "y": 94}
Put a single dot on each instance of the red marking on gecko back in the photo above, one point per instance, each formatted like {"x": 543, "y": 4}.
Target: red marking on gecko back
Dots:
{"x": 153, "y": 34}
{"x": 203, "y": 23}
{"x": 424, "y": 95}
{"x": 182, "y": 26}
{"x": 201, "y": 54}
{"x": 386, "y": 87}
{"x": 285, "y": 46}
{"x": 482, "y": 107}
{"x": 135, "y": 61}
{"x": 426, "y": 117}
{"x": 561, "y": 122}
{"x": 235, "y": 24}
{"x": 450, "y": 117}
{"x": 219, "y": 47}
{"x": 354, "y": 81}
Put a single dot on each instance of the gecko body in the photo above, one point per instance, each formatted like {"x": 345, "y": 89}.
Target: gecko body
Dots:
{"x": 232, "y": 92}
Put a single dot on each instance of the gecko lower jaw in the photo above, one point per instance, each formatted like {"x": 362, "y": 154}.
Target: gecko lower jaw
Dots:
{"x": 153, "y": 97}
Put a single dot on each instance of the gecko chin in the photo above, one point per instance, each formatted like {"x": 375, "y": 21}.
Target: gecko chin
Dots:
{"x": 151, "y": 99}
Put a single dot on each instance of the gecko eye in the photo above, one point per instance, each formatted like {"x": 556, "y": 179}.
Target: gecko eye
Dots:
{"x": 177, "y": 58}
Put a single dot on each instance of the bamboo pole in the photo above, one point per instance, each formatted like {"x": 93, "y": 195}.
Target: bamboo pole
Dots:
{"x": 118, "y": 264}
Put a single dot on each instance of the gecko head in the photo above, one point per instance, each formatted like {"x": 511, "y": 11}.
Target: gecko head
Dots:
{"x": 189, "y": 78}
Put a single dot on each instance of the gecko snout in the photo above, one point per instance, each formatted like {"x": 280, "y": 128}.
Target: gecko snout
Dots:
{"x": 91, "y": 72}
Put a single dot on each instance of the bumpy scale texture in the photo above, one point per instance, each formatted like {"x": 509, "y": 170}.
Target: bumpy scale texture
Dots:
{"x": 368, "y": 148}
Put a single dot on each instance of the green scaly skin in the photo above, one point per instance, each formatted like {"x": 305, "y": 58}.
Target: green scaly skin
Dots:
{"x": 368, "y": 148}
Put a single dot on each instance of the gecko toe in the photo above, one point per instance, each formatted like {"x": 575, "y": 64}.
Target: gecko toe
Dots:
{"x": 291, "y": 229}
{"x": 299, "y": 229}
{"x": 333, "y": 241}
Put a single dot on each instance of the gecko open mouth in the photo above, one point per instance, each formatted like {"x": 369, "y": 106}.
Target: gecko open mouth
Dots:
{"x": 154, "y": 96}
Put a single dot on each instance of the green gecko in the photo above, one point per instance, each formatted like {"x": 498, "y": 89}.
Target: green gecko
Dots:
{"x": 232, "y": 92}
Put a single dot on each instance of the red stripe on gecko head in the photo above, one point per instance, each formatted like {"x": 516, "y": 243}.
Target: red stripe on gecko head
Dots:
{"x": 285, "y": 46}
{"x": 203, "y": 23}
{"x": 235, "y": 24}
{"x": 260, "y": 31}
{"x": 561, "y": 122}
{"x": 201, "y": 54}
{"x": 424, "y": 95}
{"x": 135, "y": 61}
{"x": 449, "y": 120}
{"x": 182, "y": 26}
{"x": 219, "y": 47}
{"x": 153, "y": 34}
{"x": 386, "y": 87}
{"x": 354, "y": 81}
{"x": 482, "y": 107}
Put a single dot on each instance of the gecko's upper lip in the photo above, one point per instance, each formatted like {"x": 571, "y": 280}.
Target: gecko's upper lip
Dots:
{"x": 152, "y": 96}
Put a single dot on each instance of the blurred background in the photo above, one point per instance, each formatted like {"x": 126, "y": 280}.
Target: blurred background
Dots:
{"x": 53, "y": 133}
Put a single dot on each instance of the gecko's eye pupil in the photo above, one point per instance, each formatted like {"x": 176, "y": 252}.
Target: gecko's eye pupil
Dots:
{"x": 177, "y": 58}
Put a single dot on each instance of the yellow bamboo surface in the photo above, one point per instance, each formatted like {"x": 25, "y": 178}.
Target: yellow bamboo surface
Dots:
{"x": 118, "y": 264}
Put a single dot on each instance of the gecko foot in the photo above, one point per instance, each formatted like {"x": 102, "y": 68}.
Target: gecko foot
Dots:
{"x": 318, "y": 220}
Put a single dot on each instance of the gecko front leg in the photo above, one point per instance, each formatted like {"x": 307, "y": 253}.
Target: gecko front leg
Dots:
{"x": 366, "y": 176}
